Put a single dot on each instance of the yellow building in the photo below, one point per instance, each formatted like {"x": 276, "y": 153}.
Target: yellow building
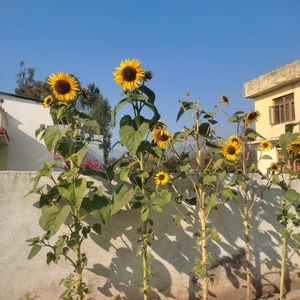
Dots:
{"x": 276, "y": 96}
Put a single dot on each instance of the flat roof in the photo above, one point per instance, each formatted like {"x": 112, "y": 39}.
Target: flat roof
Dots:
{"x": 273, "y": 79}
{"x": 21, "y": 97}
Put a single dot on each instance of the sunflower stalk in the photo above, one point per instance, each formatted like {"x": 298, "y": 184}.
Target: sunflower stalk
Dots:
{"x": 246, "y": 223}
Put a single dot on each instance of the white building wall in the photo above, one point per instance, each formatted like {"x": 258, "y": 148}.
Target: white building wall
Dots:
{"x": 23, "y": 152}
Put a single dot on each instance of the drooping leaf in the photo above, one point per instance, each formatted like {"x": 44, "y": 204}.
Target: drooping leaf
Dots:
{"x": 53, "y": 136}
{"x": 34, "y": 251}
{"x": 97, "y": 228}
{"x": 145, "y": 213}
{"x": 185, "y": 106}
{"x": 74, "y": 192}
{"x": 116, "y": 108}
{"x": 209, "y": 179}
{"x": 292, "y": 195}
{"x": 121, "y": 197}
{"x": 99, "y": 207}
{"x": 53, "y": 217}
{"x": 150, "y": 94}
{"x": 132, "y": 138}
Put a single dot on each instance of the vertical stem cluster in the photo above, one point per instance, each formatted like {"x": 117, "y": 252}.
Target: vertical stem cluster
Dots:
{"x": 204, "y": 261}
{"x": 246, "y": 223}
{"x": 79, "y": 265}
{"x": 283, "y": 255}
{"x": 145, "y": 261}
{"x": 144, "y": 241}
{"x": 246, "y": 227}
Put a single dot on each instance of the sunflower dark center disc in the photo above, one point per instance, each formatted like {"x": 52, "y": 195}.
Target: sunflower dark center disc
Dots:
{"x": 62, "y": 86}
{"x": 163, "y": 137}
{"x": 231, "y": 150}
{"x": 129, "y": 73}
{"x": 252, "y": 116}
{"x": 161, "y": 177}
{"x": 265, "y": 145}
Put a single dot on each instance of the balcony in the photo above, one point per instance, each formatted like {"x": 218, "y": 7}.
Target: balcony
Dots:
{"x": 4, "y": 139}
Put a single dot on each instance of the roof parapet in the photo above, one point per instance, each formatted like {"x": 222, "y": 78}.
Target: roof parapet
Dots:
{"x": 274, "y": 79}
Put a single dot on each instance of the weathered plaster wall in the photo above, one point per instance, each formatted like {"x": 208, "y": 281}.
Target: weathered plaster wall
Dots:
{"x": 113, "y": 267}
{"x": 274, "y": 79}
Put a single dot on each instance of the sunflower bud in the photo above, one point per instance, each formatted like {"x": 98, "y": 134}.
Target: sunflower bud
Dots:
{"x": 148, "y": 75}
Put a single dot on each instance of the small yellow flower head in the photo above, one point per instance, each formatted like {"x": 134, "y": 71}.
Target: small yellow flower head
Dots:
{"x": 275, "y": 167}
{"x": 129, "y": 74}
{"x": 161, "y": 137}
{"x": 294, "y": 145}
{"x": 265, "y": 145}
{"x": 231, "y": 150}
{"x": 224, "y": 99}
{"x": 234, "y": 139}
{"x": 161, "y": 178}
{"x": 48, "y": 100}
{"x": 251, "y": 117}
{"x": 64, "y": 86}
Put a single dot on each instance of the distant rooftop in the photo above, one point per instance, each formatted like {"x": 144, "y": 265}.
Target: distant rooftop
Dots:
{"x": 21, "y": 97}
{"x": 274, "y": 79}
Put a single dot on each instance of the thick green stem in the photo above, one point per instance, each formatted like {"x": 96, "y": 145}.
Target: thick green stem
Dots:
{"x": 144, "y": 242}
{"x": 247, "y": 249}
{"x": 204, "y": 253}
{"x": 78, "y": 269}
{"x": 283, "y": 255}
{"x": 246, "y": 222}
{"x": 145, "y": 262}
{"x": 204, "y": 258}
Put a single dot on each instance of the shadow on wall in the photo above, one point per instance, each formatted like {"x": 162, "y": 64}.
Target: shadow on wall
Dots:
{"x": 114, "y": 269}
{"x": 174, "y": 251}
{"x": 24, "y": 153}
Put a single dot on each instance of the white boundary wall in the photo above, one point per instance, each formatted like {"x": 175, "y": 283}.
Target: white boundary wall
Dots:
{"x": 113, "y": 267}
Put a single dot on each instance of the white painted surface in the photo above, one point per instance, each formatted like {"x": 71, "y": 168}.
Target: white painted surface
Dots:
{"x": 23, "y": 152}
{"x": 113, "y": 267}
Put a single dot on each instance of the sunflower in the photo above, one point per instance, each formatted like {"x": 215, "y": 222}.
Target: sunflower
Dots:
{"x": 224, "y": 99}
{"x": 230, "y": 150}
{"x": 239, "y": 171}
{"x": 64, "y": 86}
{"x": 275, "y": 167}
{"x": 265, "y": 145}
{"x": 234, "y": 139}
{"x": 251, "y": 117}
{"x": 161, "y": 178}
{"x": 129, "y": 74}
{"x": 161, "y": 137}
{"x": 48, "y": 100}
{"x": 294, "y": 145}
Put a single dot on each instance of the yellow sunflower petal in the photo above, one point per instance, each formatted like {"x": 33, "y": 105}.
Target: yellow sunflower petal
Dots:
{"x": 161, "y": 137}
{"x": 265, "y": 145}
{"x": 129, "y": 74}
{"x": 48, "y": 100}
{"x": 64, "y": 86}
{"x": 161, "y": 178}
{"x": 251, "y": 117}
{"x": 231, "y": 150}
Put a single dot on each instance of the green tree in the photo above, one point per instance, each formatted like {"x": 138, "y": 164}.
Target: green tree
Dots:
{"x": 90, "y": 100}
{"x": 27, "y": 86}
{"x": 98, "y": 108}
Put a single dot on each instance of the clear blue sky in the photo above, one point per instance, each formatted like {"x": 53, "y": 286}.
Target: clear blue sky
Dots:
{"x": 210, "y": 47}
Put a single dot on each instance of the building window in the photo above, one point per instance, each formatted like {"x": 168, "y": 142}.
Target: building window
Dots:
{"x": 283, "y": 109}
